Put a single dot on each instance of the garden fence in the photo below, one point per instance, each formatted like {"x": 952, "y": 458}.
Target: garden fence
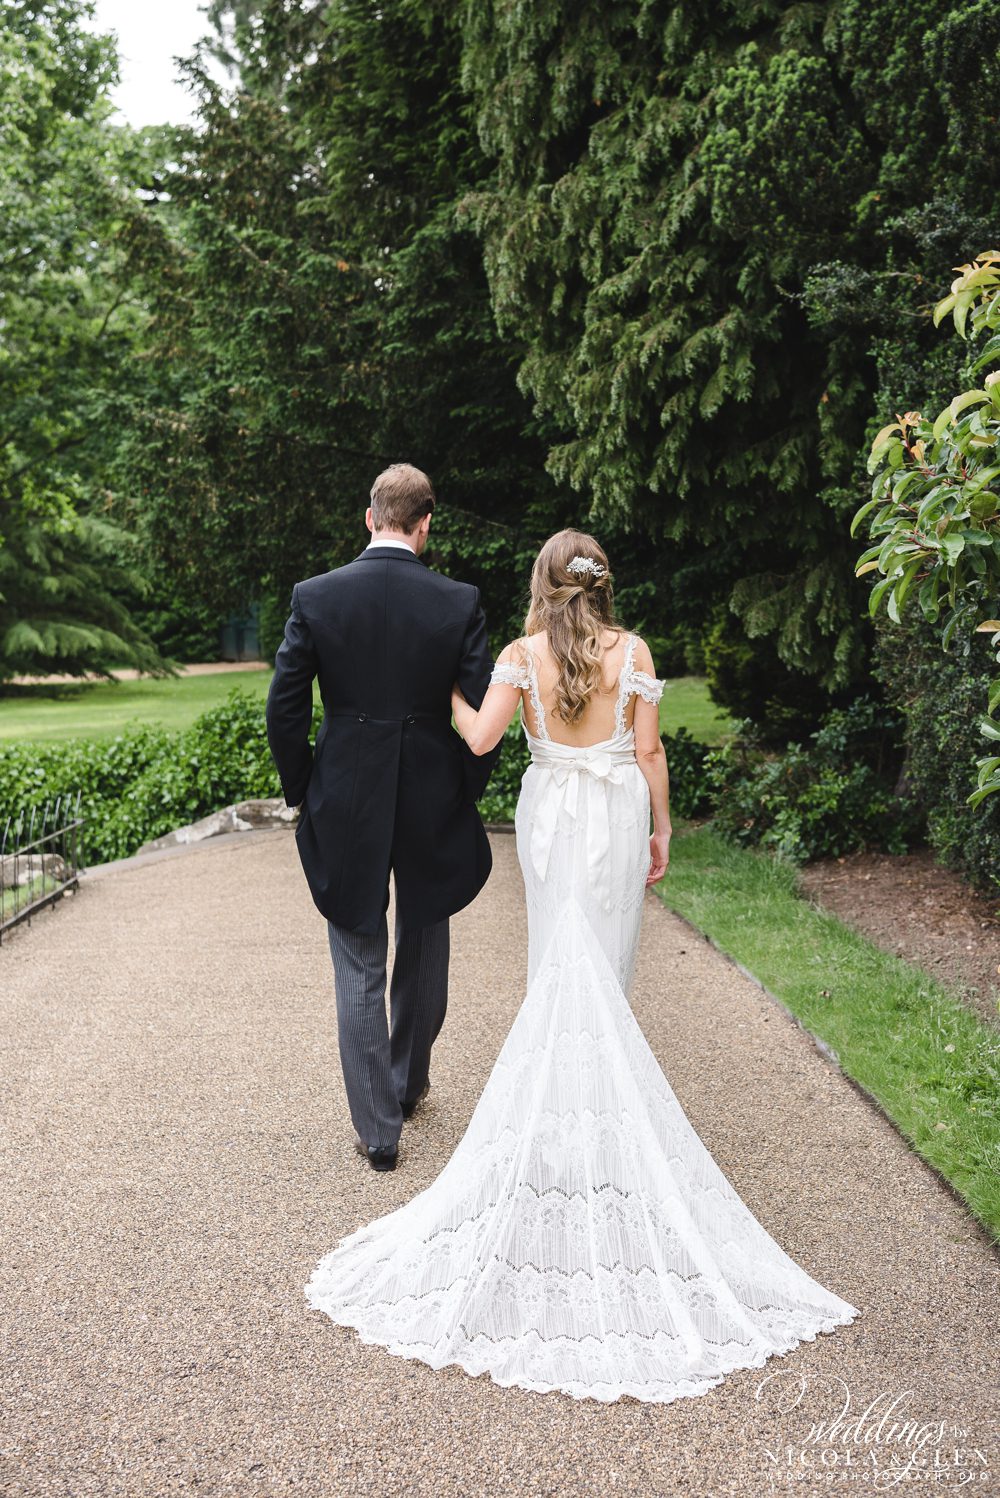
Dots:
{"x": 39, "y": 858}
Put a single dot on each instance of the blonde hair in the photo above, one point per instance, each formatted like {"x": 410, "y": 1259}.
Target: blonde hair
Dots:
{"x": 574, "y": 608}
{"x": 401, "y": 496}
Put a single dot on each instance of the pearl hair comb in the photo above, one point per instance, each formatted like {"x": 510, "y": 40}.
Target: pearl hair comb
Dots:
{"x": 580, "y": 565}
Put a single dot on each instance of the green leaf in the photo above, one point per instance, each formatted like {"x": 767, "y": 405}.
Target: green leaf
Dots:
{"x": 953, "y": 544}
{"x": 927, "y": 597}
{"x": 966, "y": 399}
{"x": 860, "y": 514}
{"x": 943, "y": 307}
{"x": 899, "y": 593}
{"x": 990, "y": 352}
{"x": 875, "y": 596}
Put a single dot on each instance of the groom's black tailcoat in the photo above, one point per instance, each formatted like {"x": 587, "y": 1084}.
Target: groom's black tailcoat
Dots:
{"x": 390, "y": 785}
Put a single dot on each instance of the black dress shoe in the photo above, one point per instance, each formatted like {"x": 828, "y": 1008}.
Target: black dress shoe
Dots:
{"x": 378, "y": 1159}
{"x": 409, "y": 1108}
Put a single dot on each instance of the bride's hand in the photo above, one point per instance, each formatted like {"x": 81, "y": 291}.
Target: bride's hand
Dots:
{"x": 456, "y": 697}
{"x": 659, "y": 857}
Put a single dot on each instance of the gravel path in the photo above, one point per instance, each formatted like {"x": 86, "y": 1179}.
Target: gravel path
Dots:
{"x": 176, "y": 1155}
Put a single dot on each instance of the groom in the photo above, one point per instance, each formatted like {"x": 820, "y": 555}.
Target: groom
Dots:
{"x": 390, "y": 785}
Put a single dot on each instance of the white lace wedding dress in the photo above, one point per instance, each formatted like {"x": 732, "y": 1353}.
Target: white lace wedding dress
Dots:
{"x": 581, "y": 1237}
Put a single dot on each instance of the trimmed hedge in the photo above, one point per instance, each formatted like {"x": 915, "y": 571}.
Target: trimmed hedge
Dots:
{"x": 146, "y": 781}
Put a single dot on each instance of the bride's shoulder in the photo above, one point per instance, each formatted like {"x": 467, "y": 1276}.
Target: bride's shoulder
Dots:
{"x": 640, "y": 675}
{"x": 515, "y": 653}
{"x": 511, "y": 668}
{"x": 642, "y": 656}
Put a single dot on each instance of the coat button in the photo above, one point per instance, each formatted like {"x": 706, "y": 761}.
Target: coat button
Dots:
{"x": 411, "y": 718}
{"x": 362, "y": 717}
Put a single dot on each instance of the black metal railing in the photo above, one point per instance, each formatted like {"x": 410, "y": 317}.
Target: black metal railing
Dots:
{"x": 39, "y": 858}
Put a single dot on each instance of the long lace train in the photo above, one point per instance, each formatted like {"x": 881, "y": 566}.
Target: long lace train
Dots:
{"x": 581, "y": 1237}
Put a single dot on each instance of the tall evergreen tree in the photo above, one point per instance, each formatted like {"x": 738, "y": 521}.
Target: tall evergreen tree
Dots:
{"x": 318, "y": 313}
{"x": 681, "y": 192}
{"x": 65, "y": 567}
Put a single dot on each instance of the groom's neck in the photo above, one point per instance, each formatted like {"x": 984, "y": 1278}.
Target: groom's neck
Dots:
{"x": 379, "y": 536}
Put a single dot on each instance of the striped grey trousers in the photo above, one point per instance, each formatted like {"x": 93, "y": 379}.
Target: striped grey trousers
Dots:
{"x": 387, "y": 1064}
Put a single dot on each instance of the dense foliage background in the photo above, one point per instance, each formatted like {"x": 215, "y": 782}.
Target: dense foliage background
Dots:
{"x": 656, "y": 269}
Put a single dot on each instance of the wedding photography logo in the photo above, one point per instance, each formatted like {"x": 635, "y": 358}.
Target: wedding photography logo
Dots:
{"x": 880, "y": 1442}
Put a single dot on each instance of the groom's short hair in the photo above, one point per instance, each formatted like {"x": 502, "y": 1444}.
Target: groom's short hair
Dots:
{"x": 401, "y": 496}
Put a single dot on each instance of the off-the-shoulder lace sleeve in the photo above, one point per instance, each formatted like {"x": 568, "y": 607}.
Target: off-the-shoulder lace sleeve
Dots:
{"x": 650, "y": 688}
{"x": 509, "y": 674}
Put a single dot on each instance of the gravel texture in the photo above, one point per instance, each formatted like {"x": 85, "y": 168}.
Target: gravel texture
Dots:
{"x": 177, "y": 1154}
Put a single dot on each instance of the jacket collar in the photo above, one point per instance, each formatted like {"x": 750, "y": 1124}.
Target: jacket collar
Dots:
{"x": 383, "y": 553}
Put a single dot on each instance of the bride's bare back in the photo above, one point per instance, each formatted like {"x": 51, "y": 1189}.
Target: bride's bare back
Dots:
{"x": 599, "y": 720}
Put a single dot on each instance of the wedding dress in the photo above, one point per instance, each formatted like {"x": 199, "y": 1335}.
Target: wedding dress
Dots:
{"x": 581, "y": 1237}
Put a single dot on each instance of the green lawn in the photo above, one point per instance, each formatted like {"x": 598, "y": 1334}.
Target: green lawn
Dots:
{"x": 932, "y": 1064}
{"x": 686, "y": 704}
{"x": 101, "y": 710}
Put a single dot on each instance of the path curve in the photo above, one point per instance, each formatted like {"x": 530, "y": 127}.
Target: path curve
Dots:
{"x": 176, "y": 1155}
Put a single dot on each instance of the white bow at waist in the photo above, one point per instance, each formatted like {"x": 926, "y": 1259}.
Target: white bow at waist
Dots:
{"x": 567, "y": 763}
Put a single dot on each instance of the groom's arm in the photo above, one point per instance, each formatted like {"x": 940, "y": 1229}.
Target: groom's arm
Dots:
{"x": 289, "y": 706}
{"x": 474, "y": 670}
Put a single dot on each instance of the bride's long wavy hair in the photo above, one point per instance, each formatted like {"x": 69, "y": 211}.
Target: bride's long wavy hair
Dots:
{"x": 574, "y": 608}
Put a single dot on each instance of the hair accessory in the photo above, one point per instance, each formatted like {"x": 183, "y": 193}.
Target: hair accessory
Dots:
{"x": 580, "y": 565}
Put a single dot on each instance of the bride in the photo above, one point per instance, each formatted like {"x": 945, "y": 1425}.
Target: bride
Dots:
{"x": 581, "y": 1237}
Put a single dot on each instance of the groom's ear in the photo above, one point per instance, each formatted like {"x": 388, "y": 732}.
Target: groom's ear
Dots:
{"x": 368, "y": 519}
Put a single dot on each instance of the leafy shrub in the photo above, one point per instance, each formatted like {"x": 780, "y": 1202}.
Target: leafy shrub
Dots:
{"x": 936, "y": 503}
{"x": 679, "y": 652}
{"x": 103, "y": 770}
{"x": 274, "y": 611}
{"x": 691, "y": 787}
{"x": 183, "y": 629}
{"x": 940, "y": 694}
{"x": 827, "y": 800}
{"x": 146, "y": 781}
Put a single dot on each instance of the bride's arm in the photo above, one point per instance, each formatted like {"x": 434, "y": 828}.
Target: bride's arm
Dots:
{"x": 483, "y": 730}
{"x": 651, "y": 758}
